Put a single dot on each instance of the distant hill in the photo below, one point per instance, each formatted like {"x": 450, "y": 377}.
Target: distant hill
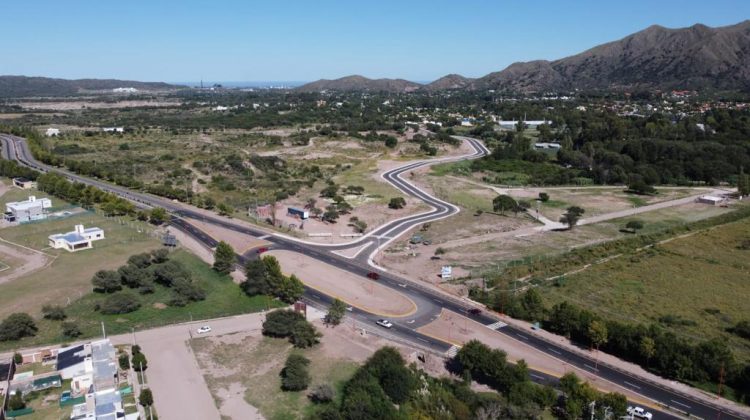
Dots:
{"x": 657, "y": 57}
{"x": 449, "y": 82}
{"x": 22, "y": 86}
{"x": 360, "y": 83}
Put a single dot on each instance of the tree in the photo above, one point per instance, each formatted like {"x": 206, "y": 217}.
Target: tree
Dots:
{"x": 17, "y": 358}
{"x": 106, "y": 281}
{"x": 597, "y": 333}
{"x": 743, "y": 182}
{"x": 572, "y": 216}
{"x": 146, "y": 398}
{"x": 397, "y": 203}
{"x": 17, "y": 326}
{"x": 322, "y": 393}
{"x": 295, "y": 375}
{"x": 304, "y": 335}
{"x": 639, "y": 186}
{"x": 524, "y": 204}
{"x": 160, "y": 255}
{"x": 543, "y": 197}
{"x": 331, "y": 214}
{"x": 503, "y": 203}
{"x": 224, "y": 209}
{"x": 119, "y": 303}
{"x": 124, "y": 361}
{"x": 634, "y": 225}
{"x": 279, "y": 323}
{"x": 336, "y": 312}
{"x": 224, "y": 258}
{"x": 391, "y": 142}
{"x": 139, "y": 361}
{"x": 53, "y": 312}
{"x": 647, "y": 348}
{"x": 158, "y": 216}
{"x": 70, "y": 330}
{"x": 290, "y": 289}
{"x": 142, "y": 260}
{"x": 16, "y": 401}
{"x": 256, "y": 282}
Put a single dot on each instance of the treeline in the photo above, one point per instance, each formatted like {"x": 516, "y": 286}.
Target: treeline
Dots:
{"x": 85, "y": 195}
{"x": 386, "y": 388}
{"x": 653, "y": 347}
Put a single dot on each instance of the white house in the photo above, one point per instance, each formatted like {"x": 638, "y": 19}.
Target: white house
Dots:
{"x": 710, "y": 199}
{"x": 113, "y": 129}
{"x": 528, "y": 123}
{"x": 28, "y": 210}
{"x": 52, "y": 132}
{"x": 76, "y": 240}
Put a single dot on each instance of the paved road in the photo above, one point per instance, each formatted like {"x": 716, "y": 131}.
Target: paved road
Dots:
{"x": 430, "y": 301}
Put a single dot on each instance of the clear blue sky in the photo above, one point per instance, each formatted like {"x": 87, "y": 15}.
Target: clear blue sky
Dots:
{"x": 310, "y": 39}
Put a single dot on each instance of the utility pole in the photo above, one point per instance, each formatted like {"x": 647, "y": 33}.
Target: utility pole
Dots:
{"x": 104, "y": 332}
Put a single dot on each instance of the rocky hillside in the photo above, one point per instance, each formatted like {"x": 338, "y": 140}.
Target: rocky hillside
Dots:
{"x": 22, "y": 86}
{"x": 360, "y": 83}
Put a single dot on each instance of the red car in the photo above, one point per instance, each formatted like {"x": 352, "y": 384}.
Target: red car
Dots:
{"x": 261, "y": 250}
{"x": 373, "y": 275}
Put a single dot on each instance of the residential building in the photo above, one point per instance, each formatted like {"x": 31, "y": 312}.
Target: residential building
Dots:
{"x": 711, "y": 199}
{"x": 113, "y": 129}
{"x": 52, "y": 132}
{"x": 294, "y": 212}
{"x": 28, "y": 210}
{"x": 528, "y": 123}
{"x": 78, "y": 239}
{"x": 23, "y": 183}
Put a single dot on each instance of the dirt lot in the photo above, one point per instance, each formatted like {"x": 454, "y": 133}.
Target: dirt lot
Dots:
{"x": 21, "y": 261}
{"x": 354, "y": 290}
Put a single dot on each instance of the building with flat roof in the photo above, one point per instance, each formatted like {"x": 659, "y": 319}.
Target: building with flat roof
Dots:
{"x": 23, "y": 183}
{"x": 78, "y": 239}
{"x": 28, "y": 210}
{"x": 528, "y": 123}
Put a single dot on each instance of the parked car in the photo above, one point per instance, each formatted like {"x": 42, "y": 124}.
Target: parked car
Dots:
{"x": 204, "y": 329}
{"x": 373, "y": 275}
{"x": 435, "y": 257}
{"x": 349, "y": 308}
{"x": 639, "y": 412}
{"x": 261, "y": 250}
{"x": 384, "y": 323}
{"x": 474, "y": 311}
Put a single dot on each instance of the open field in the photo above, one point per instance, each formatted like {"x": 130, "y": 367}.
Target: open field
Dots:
{"x": 223, "y": 298}
{"x": 695, "y": 285}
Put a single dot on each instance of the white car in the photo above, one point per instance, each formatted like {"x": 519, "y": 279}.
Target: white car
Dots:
{"x": 639, "y": 412}
{"x": 204, "y": 329}
{"x": 384, "y": 323}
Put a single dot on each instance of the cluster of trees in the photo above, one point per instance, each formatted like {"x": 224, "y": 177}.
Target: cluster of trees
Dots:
{"x": 87, "y": 196}
{"x": 285, "y": 323}
{"x": 653, "y": 347}
{"x": 17, "y": 326}
{"x": 142, "y": 273}
{"x": 264, "y": 277}
{"x": 397, "y": 203}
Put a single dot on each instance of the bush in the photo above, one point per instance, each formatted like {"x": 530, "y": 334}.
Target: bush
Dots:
{"x": 322, "y": 393}
{"x": 139, "y": 361}
{"x": 17, "y": 326}
{"x": 16, "y": 402}
{"x": 119, "y": 303}
{"x": 304, "y": 335}
{"x": 543, "y": 197}
{"x": 280, "y": 323}
{"x": 160, "y": 255}
{"x": 70, "y": 330}
{"x": 295, "y": 376}
{"x": 224, "y": 258}
{"x": 146, "y": 398}
{"x": 140, "y": 260}
{"x": 106, "y": 281}
{"x": 17, "y": 358}
{"x": 56, "y": 313}
{"x": 124, "y": 361}
{"x": 168, "y": 272}
{"x": 397, "y": 203}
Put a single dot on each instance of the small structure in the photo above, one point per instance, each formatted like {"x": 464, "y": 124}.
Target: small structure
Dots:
{"x": 528, "y": 123}
{"x": 28, "y": 210}
{"x": 23, "y": 183}
{"x": 295, "y": 212}
{"x": 76, "y": 240}
{"x": 113, "y": 129}
{"x": 446, "y": 272}
{"x": 547, "y": 145}
{"x": 52, "y": 132}
{"x": 169, "y": 240}
{"x": 711, "y": 199}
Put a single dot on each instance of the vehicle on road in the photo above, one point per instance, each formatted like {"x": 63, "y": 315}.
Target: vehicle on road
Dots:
{"x": 384, "y": 323}
{"x": 373, "y": 275}
{"x": 204, "y": 329}
{"x": 639, "y": 412}
{"x": 474, "y": 311}
{"x": 435, "y": 257}
{"x": 261, "y": 250}
{"x": 349, "y": 308}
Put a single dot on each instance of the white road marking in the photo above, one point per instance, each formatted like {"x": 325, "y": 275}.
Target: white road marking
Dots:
{"x": 553, "y": 350}
{"x": 265, "y": 237}
{"x": 591, "y": 367}
{"x": 684, "y": 405}
{"x": 633, "y": 385}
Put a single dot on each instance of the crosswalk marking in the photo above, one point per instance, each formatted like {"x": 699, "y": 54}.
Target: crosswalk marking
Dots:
{"x": 497, "y": 325}
{"x": 452, "y": 351}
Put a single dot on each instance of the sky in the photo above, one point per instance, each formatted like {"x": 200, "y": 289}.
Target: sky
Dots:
{"x": 222, "y": 40}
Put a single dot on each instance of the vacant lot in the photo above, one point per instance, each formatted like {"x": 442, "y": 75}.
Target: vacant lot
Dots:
{"x": 695, "y": 285}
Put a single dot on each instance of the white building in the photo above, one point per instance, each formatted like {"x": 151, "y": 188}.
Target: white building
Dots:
{"x": 529, "y": 123}
{"x": 26, "y": 211}
{"x": 547, "y": 145}
{"x": 52, "y": 132}
{"x": 125, "y": 90}
{"x": 113, "y": 129}
{"x": 711, "y": 199}
{"x": 76, "y": 240}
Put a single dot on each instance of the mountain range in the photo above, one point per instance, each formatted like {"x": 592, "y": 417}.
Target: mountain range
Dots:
{"x": 697, "y": 57}
{"x": 22, "y": 86}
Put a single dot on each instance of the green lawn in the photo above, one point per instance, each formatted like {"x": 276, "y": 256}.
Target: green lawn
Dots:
{"x": 700, "y": 280}
{"x": 223, "y": 298}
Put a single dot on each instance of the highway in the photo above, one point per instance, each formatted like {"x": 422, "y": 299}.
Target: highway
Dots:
{"x": 429, "y": 301}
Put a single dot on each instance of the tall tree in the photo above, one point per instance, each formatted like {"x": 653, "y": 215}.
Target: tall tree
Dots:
{"x": 336, "y": 312}
{"x": 572, "y": 216}
{"x": 503, "y": 203}
{"x": 224, "y": 258}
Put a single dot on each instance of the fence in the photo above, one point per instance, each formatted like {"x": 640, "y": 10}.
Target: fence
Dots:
{"x": 11, "y": 372}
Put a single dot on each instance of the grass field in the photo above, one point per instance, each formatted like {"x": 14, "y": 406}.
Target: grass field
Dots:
{"x": 223, "y": 298}
{"x": 700, "y": 281}
{"x": 69, "y": 274}
{"x": 256, "y": 363}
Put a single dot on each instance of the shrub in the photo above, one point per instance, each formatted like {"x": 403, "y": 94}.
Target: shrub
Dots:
{"x": 224, "y": 258}
{"x": 106, "y": 281}
{"x": 322, "y": 393}
{"x": 70, "y": 330}
{"x": 17, "y": 326}
{"x": 543, "y": 197}
{"x": 56, "y": 313}
{"x": 397, "y": 203}
{"x": 140, "y": 260}
{"x": 139, "y": 361}
{"x": 17, "y": 358}
{"x": 146, "y": 398}
{"x": 295, "y": 376}
{"x": 16, "y": 402}
{"x": 119, "y": 303}
{"x": 304, "y": 335}
{"x": 280, "y": 323}
{"x": 124, "y": 361}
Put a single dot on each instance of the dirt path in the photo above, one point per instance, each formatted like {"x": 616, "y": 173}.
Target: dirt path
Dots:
{"x": 354, "y": 290}
{"x": 21, "y": 261}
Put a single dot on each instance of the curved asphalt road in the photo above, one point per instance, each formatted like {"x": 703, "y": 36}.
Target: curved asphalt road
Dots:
{"x": 429, "y": 302}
